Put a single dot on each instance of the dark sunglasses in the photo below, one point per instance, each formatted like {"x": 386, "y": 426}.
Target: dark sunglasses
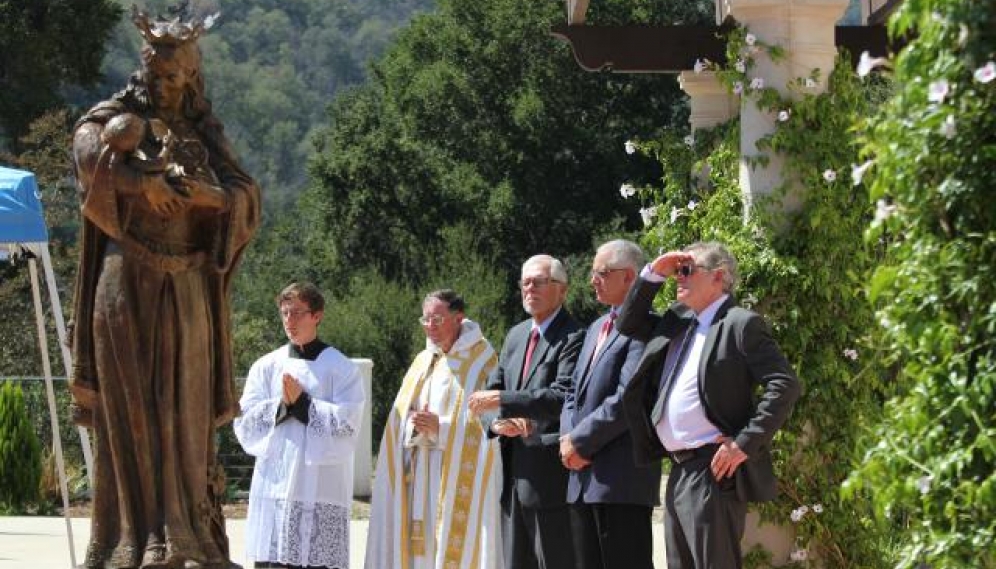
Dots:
{"x": 689, "y": 270}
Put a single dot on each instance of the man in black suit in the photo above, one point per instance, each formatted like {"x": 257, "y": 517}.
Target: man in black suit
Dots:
{"x": 526, "y": 392}
{"x": 610, "y": 498}
{"x": 692, "y": 398}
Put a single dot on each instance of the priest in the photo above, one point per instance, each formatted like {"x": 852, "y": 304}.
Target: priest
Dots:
{"x": 438, "y": 478}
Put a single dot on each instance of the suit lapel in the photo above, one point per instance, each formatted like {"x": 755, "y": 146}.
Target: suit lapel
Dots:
{"x": 590, "y": 340}
{"x": 519, "y": 357}
{"x": 712, "y": 337}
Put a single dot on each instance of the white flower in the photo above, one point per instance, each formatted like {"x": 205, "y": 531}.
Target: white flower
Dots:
{"x": 750, "y": 39}
{"x": 962, "y": 35}
{"x": 648, "y": 214}
{"x": 630, "y": 147}
{"x": 948, "y": 128}
{"x": 740, "y": 66}
{"x": 797, "y": 514}
{"x": 923, "y": 484}
{"x": 810, "y": 84}
{"x": 858, "y": 172}
{"x": 829, "y": 175}
{"x": 690, "y": 140}
{"x": 852, "y": 355}
{"x": 757, "y": 83}
{"x": 986, "y": 73}
{"x": 938, "y": 91}
{"x": 867, "y": 63}
{"x": 784, "y": 115}
{"x": 627, "y": 190}
{"x": 738, "y": 87}
{"x": 799, "y": 555}
{"x": 884, "y": 210}
{"x": 700, "y": 66}
{"x": 675, "y": 214}
{"x": 692, "y": 204}
{"x": 817, "y": 508}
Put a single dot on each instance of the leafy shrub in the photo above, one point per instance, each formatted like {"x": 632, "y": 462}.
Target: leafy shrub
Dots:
{"x": 20, "y": 452}
{"x": 932, "y": 151}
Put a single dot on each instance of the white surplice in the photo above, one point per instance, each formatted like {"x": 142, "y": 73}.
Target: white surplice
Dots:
{"x": 302, "y": 485}
{"x": 435, "y": 499}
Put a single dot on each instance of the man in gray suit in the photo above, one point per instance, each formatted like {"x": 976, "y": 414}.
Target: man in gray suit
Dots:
{"x": 610, "y": 498}
{"x": 526, "y": 391}
{"x": 692, "y": 399}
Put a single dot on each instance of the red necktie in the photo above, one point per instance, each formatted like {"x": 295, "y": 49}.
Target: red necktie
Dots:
{"x": 603, "y": 334}
{"x": 533, "y": 340}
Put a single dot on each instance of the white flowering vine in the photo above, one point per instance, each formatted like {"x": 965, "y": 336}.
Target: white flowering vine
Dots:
{"x": 858, "y": 171}
{"x": 938, "y": 90}
{"x": 627, "y": 190}
{"x": 630, "y": 147}
{"x": 884, "y": 210}
{"x": 867, "y": 63}
{"x": 986, "y": 73}
{"x": 830, "y": 175}
{"x": 948, "y": 128}
{"x": 648, "y": 214}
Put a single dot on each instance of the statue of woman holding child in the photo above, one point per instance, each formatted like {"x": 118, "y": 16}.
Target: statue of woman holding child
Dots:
{"x": 167, "y": 214}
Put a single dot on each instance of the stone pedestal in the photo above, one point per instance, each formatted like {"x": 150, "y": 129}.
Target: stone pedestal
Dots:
{"x": 710, "y": 102}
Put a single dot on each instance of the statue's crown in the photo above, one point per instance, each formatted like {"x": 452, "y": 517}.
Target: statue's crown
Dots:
{"x": 182, "y": 28}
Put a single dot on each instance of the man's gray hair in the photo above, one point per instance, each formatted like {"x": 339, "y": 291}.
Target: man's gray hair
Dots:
{"x": 623, "y": 254}
{"x": 557, "y": 270}
{"x": 713, "y": 255}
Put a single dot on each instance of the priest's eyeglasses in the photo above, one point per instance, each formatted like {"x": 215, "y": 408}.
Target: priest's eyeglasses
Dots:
{"x": 434, "y": 320}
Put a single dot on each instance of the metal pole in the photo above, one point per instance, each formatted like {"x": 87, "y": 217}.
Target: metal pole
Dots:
{"x": 67, "y": 357}
{"x": 56, "y": 437}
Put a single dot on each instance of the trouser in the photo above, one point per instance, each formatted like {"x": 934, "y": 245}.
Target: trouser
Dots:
{"x": 703, "y": 519}
{"x": 536, "y": 538}
{"x": 607, "y": 536}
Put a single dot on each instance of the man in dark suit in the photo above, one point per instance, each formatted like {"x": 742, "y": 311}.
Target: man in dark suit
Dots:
{"x": 692, "y": 398}
{"x": 524, "y": 396}
{"x": 610, "y": 498}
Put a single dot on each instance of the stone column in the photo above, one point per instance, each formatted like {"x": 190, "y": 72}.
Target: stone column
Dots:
{"x": 710, "y": 102}
{"x": 805, "y": 29}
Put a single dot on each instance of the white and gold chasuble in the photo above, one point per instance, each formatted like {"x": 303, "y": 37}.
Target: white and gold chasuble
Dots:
{"x": 435, "y": 500}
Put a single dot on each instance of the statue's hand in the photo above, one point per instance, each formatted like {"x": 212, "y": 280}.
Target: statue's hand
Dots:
{"x": 163, "y": 199}
{"x": 203, "y": 194}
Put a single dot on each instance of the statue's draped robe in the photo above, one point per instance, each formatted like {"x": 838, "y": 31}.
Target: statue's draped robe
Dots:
{"x": 152, "y": 370}
{"x": 302, "y": 486}
{"x": 435, "y": 499}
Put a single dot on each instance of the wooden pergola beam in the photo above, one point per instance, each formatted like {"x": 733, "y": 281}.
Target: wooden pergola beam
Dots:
{"x": 673, "y": 49}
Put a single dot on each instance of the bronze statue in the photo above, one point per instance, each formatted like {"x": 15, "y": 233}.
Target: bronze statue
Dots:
{"x": 167, "y": 212}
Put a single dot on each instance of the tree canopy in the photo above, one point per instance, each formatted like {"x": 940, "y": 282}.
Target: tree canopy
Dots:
{"x": 272, "y": 67}
{"x": 46, "y": 47}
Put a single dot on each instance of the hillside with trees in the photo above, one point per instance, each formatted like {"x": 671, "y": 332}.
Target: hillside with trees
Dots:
{"x": 272, "y": 68}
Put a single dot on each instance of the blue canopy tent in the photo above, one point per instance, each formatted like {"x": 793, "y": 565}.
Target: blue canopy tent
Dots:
{"x": 22, "y": 228}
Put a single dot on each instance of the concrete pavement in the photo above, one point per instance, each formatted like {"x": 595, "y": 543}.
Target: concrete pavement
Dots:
{"x": 39, "y": 542}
